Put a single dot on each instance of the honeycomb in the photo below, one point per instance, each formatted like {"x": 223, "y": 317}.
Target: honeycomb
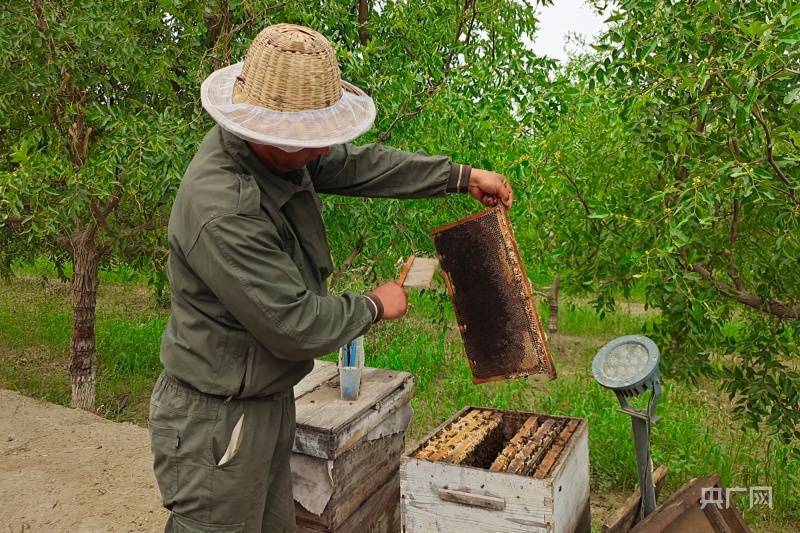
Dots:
{"x": 492, "y": 297}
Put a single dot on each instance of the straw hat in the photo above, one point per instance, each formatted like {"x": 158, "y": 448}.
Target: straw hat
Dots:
{"x": 288, "y": 92}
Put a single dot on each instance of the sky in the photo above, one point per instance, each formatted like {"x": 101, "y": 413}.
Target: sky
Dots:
{"x": 561, "y": 18}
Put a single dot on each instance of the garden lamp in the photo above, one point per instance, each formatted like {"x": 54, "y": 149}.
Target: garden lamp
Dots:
{"x": 629, "y": 366}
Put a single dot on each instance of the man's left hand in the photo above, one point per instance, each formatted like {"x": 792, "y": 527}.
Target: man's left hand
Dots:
{"x": 490, "y": 188}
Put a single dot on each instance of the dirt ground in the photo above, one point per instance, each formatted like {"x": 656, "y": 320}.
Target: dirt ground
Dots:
{"x": 67, "y": 470}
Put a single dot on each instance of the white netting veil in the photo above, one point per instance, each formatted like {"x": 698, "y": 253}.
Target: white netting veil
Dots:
{"x": 290, "y": 131}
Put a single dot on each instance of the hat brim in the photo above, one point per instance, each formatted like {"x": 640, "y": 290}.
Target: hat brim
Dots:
{"x": 345, "y": 120}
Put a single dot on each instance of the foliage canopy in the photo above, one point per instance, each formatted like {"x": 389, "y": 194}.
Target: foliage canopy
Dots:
{"x": 668, "y": 160}
{"x": 680, "y": 157}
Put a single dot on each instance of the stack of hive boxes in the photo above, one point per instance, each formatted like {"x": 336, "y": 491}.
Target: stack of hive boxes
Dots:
{"x": 347, "y": 454}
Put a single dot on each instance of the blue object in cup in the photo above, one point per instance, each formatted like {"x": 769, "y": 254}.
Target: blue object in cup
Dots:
{"x": 351, "y": 361}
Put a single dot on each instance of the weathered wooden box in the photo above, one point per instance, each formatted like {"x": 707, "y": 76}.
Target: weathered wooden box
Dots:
{"x": 347, "y": 454}
{"x": 499, "y": 471}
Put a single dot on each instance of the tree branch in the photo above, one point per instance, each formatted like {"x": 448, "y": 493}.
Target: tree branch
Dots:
{"x": 387, "y": 133}
{"x": 577, "y": 191}
{"x": 64, "y": 241}
{"x": 462, "y": 17}
{"x": 471, "y": 25}
{"x": 733, "y": 272}
{"x": 431, "y": 89}
{"x": 756, "y": 113}
{"x": 101, "y": 214}
{"x": 770, "y": 306}
{"x": 778, "y": 73}
{"x": 220, "y": 33}
{"x": 42, "y": 26}
{"x": 148, "y": 225}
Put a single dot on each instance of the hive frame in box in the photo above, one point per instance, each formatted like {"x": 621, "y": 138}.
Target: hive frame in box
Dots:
{"x": 452, "y": 498}
{"x": 523, "y": 349}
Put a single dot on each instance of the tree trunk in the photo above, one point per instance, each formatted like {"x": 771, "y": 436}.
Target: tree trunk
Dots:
{"x": 552, "y": 325}
{"x": 82, "y": 352}
{"x": 363, "y": 11}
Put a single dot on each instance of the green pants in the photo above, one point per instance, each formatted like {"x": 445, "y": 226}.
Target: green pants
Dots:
{"x": 189, "y": 433}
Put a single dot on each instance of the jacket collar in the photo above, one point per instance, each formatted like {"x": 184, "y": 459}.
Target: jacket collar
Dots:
{"x": 279, "y": 186}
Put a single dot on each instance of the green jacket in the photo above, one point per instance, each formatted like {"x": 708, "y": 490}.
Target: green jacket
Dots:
{"x": 249, "y": 259}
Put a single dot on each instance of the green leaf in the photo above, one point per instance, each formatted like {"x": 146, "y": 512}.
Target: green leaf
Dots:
{"x": 792, "y": 96}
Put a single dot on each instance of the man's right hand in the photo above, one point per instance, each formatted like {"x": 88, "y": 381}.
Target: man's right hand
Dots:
{"x": 394, "y": 300}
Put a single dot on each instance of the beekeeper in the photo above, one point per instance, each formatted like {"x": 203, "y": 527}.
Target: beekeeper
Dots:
{"x": 248, "y": 263}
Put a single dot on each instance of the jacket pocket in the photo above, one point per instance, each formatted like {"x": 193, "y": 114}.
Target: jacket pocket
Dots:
{"x": 249, "y": 376}
{"x": 164, "y": 443}
{"x": 231, "y": 372}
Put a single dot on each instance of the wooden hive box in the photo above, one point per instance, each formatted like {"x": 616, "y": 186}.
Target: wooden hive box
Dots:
{"x": 347, "y": 454}
{"x": 499, "y": 471}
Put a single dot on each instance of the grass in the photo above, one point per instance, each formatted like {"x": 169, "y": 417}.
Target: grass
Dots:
{"x": 35, "y": 326}
{"x": 694, "y": 437}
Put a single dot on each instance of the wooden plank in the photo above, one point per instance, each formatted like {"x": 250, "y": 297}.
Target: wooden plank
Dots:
{"x": 473, "y": 500}
{"x": 734, "y": 519}
{"x": 322, "y": 407}
{"x": 683, "y": 508}
{"x": 558, "y": 504}
{"x": 493, "y": 300}
{"x": 422, "y": 443}
{"x": 379, "y": 514}
{"x": 401, "y": 279}
{"x": 322, "y": 372}
{"x": 528, "y": 501}
{"x": 715, "y": 518}
{"x": 323, "y": 432}
{"x": 667, "y": 515}
{"x": 329, "y": 445}
{"x": 627, "y": 515}
{"x": 552, "y": 455}
{"x": 570, "y": 484}
{"x": 356, "y": 475}
{"x": 463, "y": 432}
{"x": 691, "y": 519}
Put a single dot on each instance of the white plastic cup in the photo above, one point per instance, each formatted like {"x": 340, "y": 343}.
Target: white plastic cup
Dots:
{"x": 350, "y": 374}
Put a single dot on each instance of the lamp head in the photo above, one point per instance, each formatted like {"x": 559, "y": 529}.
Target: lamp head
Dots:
{"x": 627, "y": 365}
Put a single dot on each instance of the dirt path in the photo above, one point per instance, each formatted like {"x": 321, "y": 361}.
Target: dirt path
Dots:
{"x": 67, "y": 470}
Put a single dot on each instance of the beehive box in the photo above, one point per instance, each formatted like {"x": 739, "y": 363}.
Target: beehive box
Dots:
{"x": 347, "y": 454}
{"x": 499, "y": 471}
